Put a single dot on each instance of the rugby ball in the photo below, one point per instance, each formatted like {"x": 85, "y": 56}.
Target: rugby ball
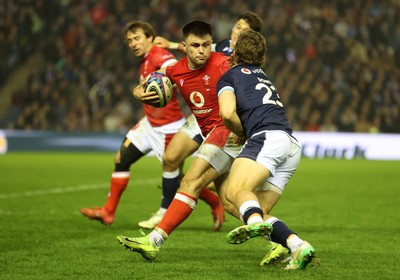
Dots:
{"x": 161, "y": 84}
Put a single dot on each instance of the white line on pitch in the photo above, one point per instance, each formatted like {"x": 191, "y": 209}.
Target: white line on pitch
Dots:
{"x": 70, "y": 189}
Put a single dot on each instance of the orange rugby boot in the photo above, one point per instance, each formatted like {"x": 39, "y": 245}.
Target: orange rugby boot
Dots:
{"x": 218, "y": 214}
{"x": 99, "y": 214}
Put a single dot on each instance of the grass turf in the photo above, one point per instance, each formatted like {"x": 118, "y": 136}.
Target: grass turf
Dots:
{"x": 348, "y": 210}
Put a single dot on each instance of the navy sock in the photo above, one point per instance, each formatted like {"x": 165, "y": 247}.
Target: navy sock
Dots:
{"x": 280, "y": 233}
{"x": 250, "y": 211}
{"x": 169, "y": 188}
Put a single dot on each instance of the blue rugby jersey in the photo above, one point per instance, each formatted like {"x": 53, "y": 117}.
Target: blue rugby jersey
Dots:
{"x": 224, "y": 47}
{"x": 259, "y": 106}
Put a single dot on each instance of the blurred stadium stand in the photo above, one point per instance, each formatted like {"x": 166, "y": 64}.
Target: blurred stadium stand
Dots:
{"x": 65, "y": 66}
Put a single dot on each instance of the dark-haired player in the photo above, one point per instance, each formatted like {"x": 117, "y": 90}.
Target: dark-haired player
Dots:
{"x": 196, "y": 76}
{"x": 152, "y": 133}
{"x": 246, "y": 20}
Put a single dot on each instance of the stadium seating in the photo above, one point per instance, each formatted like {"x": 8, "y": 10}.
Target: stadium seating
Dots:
{"x": 335, "y": 63}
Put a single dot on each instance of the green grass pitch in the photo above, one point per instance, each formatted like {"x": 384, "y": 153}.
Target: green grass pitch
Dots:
{"x": 348, "y": 210}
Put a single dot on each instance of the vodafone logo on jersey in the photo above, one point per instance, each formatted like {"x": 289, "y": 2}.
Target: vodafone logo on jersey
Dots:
{"x": 197, "y": 99}
{"x": 245, "y": 71}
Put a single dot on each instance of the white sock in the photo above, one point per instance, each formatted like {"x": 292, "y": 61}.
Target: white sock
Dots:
{"x": 156, "y": 238}
{"x": 294, "y": 242}
{"x": 171, "y": 175}
{"x": 161, "y": 211}
{"x": 272, "y": 220}
{"x": 254, "y": 219}
{"x": 250, "y": 204}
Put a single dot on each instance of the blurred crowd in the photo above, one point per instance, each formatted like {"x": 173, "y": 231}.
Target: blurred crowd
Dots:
{"x": 335, "y": 63}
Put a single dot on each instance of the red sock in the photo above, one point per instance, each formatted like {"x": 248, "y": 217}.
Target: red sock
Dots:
{"x": 119, "y": 181}
{"x": 210, "y": 197}
{"x": 180, "y": 208}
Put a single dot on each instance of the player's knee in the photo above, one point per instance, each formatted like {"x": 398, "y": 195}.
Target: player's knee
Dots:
{"x": 170, "y": 162}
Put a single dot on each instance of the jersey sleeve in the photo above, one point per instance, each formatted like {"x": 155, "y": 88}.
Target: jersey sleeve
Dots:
{"x": 222, "y": 45}
{"x": 169, "y": 62}
{"x": 220, "y": 63}
{"x": 225, "y": 83}
{"x": 162, "y": 58}
{"x": 169, "y": 70}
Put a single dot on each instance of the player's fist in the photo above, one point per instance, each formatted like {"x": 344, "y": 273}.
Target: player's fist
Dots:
{"x": 161, "y": 42}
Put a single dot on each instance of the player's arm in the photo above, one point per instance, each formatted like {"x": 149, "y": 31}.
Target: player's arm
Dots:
{"x": 150, "y": 97}
{"x": 227, "y": 111}
{"x": 166, "y": 44}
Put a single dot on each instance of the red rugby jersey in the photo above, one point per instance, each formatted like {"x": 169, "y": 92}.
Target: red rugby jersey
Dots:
{"x": 158, "y": 58}
{"x": 199, "y": 88}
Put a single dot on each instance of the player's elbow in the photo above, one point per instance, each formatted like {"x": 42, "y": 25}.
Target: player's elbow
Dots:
{"x": 226, "y": 114}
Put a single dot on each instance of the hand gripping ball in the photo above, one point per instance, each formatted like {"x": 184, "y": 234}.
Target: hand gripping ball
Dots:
{"x": 161, "y": 84}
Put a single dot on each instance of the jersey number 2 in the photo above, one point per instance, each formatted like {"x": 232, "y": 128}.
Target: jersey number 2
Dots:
{"x": 267, "y": 97}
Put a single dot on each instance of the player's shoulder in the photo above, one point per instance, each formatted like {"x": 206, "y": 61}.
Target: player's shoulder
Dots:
{"x": 235, "y": 70}
{"x": 179, "y": 66}
{"x": 246, "y": 70}
{"x": 218, "y": 58}
{"x": 223, "y": 43}
{"x": 224, "y": 47}
{"x": 181, "y": 63}
{"x": 237, "y": 73}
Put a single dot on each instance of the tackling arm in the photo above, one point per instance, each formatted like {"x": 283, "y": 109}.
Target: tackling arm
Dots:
{"x": 227, "y": 111}
{"x": 165, "y": 44}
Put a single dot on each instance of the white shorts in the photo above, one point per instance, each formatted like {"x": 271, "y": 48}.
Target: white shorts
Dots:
{"x": 192, "y": 129}
{"x": 148, "y": 138}
{"x": 277, "y": 151}
{"x": 219, "y": 150}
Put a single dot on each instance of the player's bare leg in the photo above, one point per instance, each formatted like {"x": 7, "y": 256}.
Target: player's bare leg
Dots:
{"x": 199, "y": 175}
{"x": 180, "y": 148}
{"x": 124, "y": 158}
